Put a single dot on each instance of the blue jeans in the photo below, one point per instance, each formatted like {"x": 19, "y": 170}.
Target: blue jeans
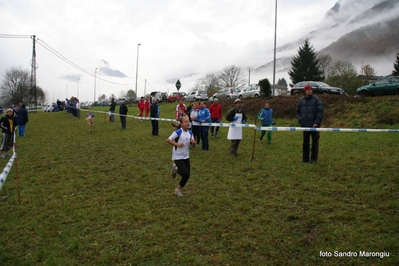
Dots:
{"x": 21, "y": 130}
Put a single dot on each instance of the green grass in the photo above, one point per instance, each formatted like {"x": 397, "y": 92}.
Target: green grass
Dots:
{"x": 106, "y": 197}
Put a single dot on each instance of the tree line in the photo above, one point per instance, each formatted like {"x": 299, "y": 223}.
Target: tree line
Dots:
{"x": 306, "y": 65}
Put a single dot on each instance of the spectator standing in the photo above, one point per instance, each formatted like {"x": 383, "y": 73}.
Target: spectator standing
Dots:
{"x": 180, "y": 110}
{"x": 7, "y": 124}
{"x": 112, "y": 110}
{"x": 216, "y": 116}
{"x": 22, "y": 119}
{"x": 155, "y": 110}
{"x": 147, "y": 104}
{"x": 309, "y": 112}
{"x": 180, "y": 139}
{"x": 236, "y": 116}
{"x": 122, "y": 113}
{"x": 195, "y": 128}
{"x": 266, "y": 117}
{"x": 140, "y": 105}
{"x": 204, "y": 116}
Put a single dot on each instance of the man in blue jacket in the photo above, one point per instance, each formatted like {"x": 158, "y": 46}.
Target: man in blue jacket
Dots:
{"x": 22, "y": 119}
{"x": 309, "y": 112}
{"x": 204, "y": 116}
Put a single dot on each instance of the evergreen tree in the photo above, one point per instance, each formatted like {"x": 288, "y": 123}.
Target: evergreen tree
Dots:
{"x": 395, "y": 70}
{"x": 305, "y": 65}
{"x": 265, "y": 87}
{"x": 282, "y": 82}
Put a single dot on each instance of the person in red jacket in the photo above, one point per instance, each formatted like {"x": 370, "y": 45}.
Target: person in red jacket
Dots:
{"x": 147, "y": 105}
{"x": 180, "y": 110}
{"x": 140, "y": 105}
{"x": 216, "y": 116}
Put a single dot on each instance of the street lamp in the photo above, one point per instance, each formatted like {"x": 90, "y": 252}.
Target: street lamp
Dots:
{"x": 77, "y": 92}
{"x": 137, "y": 66}
{"x": 274, "y": 61}
{"x": 95, "y": 77}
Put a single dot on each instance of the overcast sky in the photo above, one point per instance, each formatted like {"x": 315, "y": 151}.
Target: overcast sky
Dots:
{"x": 179, "y": 40}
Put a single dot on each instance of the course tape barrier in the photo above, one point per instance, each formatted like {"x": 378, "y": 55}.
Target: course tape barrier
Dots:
{"x": 319, "y": 129}
{"x": 6, "y": 170}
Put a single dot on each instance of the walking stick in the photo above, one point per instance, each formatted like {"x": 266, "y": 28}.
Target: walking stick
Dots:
{"x": 253, "y": 144}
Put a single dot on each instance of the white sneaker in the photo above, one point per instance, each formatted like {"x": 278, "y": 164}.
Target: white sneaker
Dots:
{"x": 178, "y": 192}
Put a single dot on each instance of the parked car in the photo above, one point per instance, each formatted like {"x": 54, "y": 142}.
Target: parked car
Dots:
{"x": 196, "y": 96}
{"x": 164, "y": 96}
{"x": 157, "y": 95}
{"x": 384, "y": 86}
{"x": 318, "y": 88}
{"x": 227, "y": 93}
{"x": 176, "y": 96}
{"x": 251, "y": 91}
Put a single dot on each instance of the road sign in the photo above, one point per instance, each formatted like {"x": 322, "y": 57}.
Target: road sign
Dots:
{"x": 178, "y": 85}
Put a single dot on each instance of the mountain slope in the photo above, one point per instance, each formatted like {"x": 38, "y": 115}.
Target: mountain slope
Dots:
{"x": 364, "y": 30}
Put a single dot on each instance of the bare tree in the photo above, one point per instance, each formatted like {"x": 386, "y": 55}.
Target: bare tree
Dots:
{"x": 131, "y": 94}
{"x": 102, "y": 98}
{"x": 232, "y": 76}
{"x": 210, "y": 83}
{"x": 368, "y": 71}
{"x": 15, "y": 87}
{"x": 324, "y": 63}
{"x": 343, "y": 74}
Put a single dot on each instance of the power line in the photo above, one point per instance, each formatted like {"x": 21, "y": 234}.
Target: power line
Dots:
{"x": 14, "y": 36}
{"x": 65, "y": 59}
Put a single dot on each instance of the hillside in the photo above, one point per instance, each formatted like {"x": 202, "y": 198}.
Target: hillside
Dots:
{"x": 358, "y": 33}
{"x": 347, "y": 112}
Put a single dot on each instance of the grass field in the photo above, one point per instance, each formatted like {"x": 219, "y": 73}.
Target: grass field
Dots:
{"x": 107, "y": 198}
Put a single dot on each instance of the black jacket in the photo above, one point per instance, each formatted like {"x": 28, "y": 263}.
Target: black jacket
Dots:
{"x": 5, "y": 123}
{"x": 123, "y": 109}
{"x": 22, "y": 117}
{"x": 309, "y": 111}
{"x": 230, "y": 116}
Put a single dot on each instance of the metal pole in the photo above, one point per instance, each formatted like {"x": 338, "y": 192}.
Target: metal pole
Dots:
{"x": 77, "y": 92}
{"x": 275, "y": 36}
{"x": 137, "y": 66}
{"x": 95, "y": 77}
{"x": 66, "y": 92}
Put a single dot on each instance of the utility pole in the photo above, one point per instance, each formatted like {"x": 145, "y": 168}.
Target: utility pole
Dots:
{"x": 249, "y": 76}
{"x": 33, "y": 72}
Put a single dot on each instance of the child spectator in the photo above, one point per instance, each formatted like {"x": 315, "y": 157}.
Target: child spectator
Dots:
{"x": 266, "y": 117}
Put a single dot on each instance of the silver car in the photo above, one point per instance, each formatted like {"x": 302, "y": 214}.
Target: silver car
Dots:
{"x": 196, "y": 96}
{"x": 251, "y": 91}
{"x": 227, "y": 93}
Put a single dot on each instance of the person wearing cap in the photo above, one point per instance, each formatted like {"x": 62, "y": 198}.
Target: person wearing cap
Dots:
{"x": 122, "y": 113}
{"x": 216, "y": 116}
{"x": 7, "y": 124}
{"x": 309, "y": 112}
{"x": 236, "y": 116}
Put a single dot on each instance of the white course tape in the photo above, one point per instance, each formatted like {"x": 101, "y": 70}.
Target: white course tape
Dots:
{"x": 268, "y": 128}
{"x": 6, "y": 170}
